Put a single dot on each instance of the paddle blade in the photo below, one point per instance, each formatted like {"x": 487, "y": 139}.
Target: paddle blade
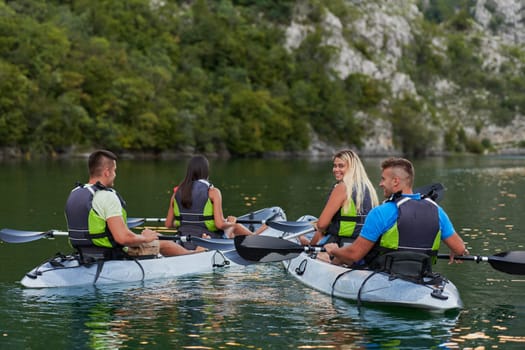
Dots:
{"x": 435, "y": 191}
{"x": 512, "y": 262}
{"x": 213, "y": 243}
{"x": 17, "y": 236}
{"x": 134, "y": 222}
{"x": 290, "y": 226}
{"x": 266, "y": 249}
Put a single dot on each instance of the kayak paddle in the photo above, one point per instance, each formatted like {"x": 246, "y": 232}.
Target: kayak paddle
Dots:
{"x": 269, "y": 249}
{"x": 225, "y": 245}
{"x": 512, "y": 262}
{"x": 208, "y": 243}
{"x": 285, "y": 226}
{"x": 17, "y": 236}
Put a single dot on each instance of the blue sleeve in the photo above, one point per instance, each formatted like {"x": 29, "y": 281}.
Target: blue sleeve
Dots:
{"x": 447, "y": 229}
{"x": 378, "y": 221}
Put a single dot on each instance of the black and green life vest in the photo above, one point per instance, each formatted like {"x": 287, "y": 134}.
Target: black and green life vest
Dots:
{"x": 86, "y": 228}
{"x": 199, "y": 218}
{"x": 417, "y": 229}
{"x": 347, "y": 223}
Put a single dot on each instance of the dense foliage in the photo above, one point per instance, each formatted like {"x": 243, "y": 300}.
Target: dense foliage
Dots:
{"x": 144, "y": 75}
{"x": 206, "y": 76}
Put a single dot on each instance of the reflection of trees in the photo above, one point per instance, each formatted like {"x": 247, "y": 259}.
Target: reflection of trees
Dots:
{"x": 102, "y": 329}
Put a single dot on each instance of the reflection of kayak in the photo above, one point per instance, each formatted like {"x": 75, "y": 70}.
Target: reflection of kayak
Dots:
{"x": 66, "y": 270}
{"x": 366, "y": 286}
{"x": 409, "y": 328}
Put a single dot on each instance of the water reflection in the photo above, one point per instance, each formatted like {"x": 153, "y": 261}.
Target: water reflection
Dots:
{"x": 253, "y": 307}
{"x": 259, "y": 306}
{"x": 394, "y": 327}
{"x": 499, "y": 324}
{"x": 243, "y": 307}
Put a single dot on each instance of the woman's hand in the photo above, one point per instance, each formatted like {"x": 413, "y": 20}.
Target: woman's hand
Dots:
{"x": 231, "y": 219}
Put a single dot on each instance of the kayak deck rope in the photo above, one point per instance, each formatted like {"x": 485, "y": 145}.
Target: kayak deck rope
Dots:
{"x": 225, "y": 262}
{"x": 100, "y": 265}
{"x": 141, "y": 269}
{"x": 358, "y": 300}
{"x": 55, "y": 262}
{"x": 301, "y": 268}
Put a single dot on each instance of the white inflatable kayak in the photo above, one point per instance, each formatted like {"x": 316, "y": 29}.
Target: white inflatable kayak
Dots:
{"x": 67, "y": 271}
{"x": 365, "y": 286}
{"x": 358, "y": 285}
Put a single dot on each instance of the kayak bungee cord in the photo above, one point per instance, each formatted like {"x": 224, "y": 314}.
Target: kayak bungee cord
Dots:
{"x": 100, "y": 264}
{"x": 52, "y": 261}
{"x": 225, "y": 262}
{"x": 141, "y": 269}
{"x": 362, "y": 285}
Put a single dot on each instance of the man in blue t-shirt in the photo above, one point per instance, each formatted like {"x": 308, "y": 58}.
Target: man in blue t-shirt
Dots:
{"x": 405, "y": 221}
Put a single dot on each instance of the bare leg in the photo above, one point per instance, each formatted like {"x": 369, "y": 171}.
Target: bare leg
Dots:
{"x": 168, "y": 248}
{"x": 241, "y": 230}
{"x": 261, "y": 229}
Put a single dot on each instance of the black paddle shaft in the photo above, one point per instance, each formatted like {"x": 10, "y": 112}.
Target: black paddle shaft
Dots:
{"x": 512, "y": 262}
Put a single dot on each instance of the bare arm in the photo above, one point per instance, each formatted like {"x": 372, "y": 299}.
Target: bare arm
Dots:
{"x": 218, "y": 215}
{"x": 124, "y": 236}
{"x": 350, "y": 253}
{"x": 333, "y": 205}
{"x": 456, "y": 246}
{"x": 170, "y": 216}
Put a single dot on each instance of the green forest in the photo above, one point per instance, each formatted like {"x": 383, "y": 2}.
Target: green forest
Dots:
{"x": 206, "y": 76}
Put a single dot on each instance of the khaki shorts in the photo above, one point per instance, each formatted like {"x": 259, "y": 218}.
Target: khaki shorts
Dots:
{"x": 151, "y": 248}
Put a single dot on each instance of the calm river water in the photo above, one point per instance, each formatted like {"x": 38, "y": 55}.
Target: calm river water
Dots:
{"x": 258, "y": 307}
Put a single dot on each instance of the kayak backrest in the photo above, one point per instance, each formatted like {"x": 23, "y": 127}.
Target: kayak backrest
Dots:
{"x": 404, "y": 264}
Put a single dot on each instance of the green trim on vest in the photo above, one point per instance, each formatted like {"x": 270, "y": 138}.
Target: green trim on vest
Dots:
{"x": 176, "y": 213}
{"x": 347, "y": 227}
{"x": 98, "y": 226}
{"x": 208, "y": 212}
{"x": 390, "y": 239}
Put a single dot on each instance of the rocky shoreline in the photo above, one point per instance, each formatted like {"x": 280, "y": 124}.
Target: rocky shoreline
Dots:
{"x": 13, "y": 154}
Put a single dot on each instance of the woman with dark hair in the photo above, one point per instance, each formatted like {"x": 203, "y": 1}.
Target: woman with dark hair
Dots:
{"x": 196, "y": 206}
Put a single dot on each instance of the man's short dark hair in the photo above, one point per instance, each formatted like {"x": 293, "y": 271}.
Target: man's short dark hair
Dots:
{"x": 98, "y": 159}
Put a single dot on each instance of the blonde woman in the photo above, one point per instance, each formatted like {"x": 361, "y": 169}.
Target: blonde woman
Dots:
{"x": 350, "y": 200}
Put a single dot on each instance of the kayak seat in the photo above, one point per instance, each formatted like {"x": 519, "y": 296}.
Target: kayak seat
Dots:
{"x": 407, "y": 265}
{"x": 93, "y": 258}
{"x": 92, "y": 255}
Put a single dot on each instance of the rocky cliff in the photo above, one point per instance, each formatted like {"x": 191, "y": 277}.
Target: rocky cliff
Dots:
{"x": 374, "y": 37}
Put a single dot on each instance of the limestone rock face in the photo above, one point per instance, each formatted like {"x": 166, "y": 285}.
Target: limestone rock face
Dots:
{"x": 386, "y": 28}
